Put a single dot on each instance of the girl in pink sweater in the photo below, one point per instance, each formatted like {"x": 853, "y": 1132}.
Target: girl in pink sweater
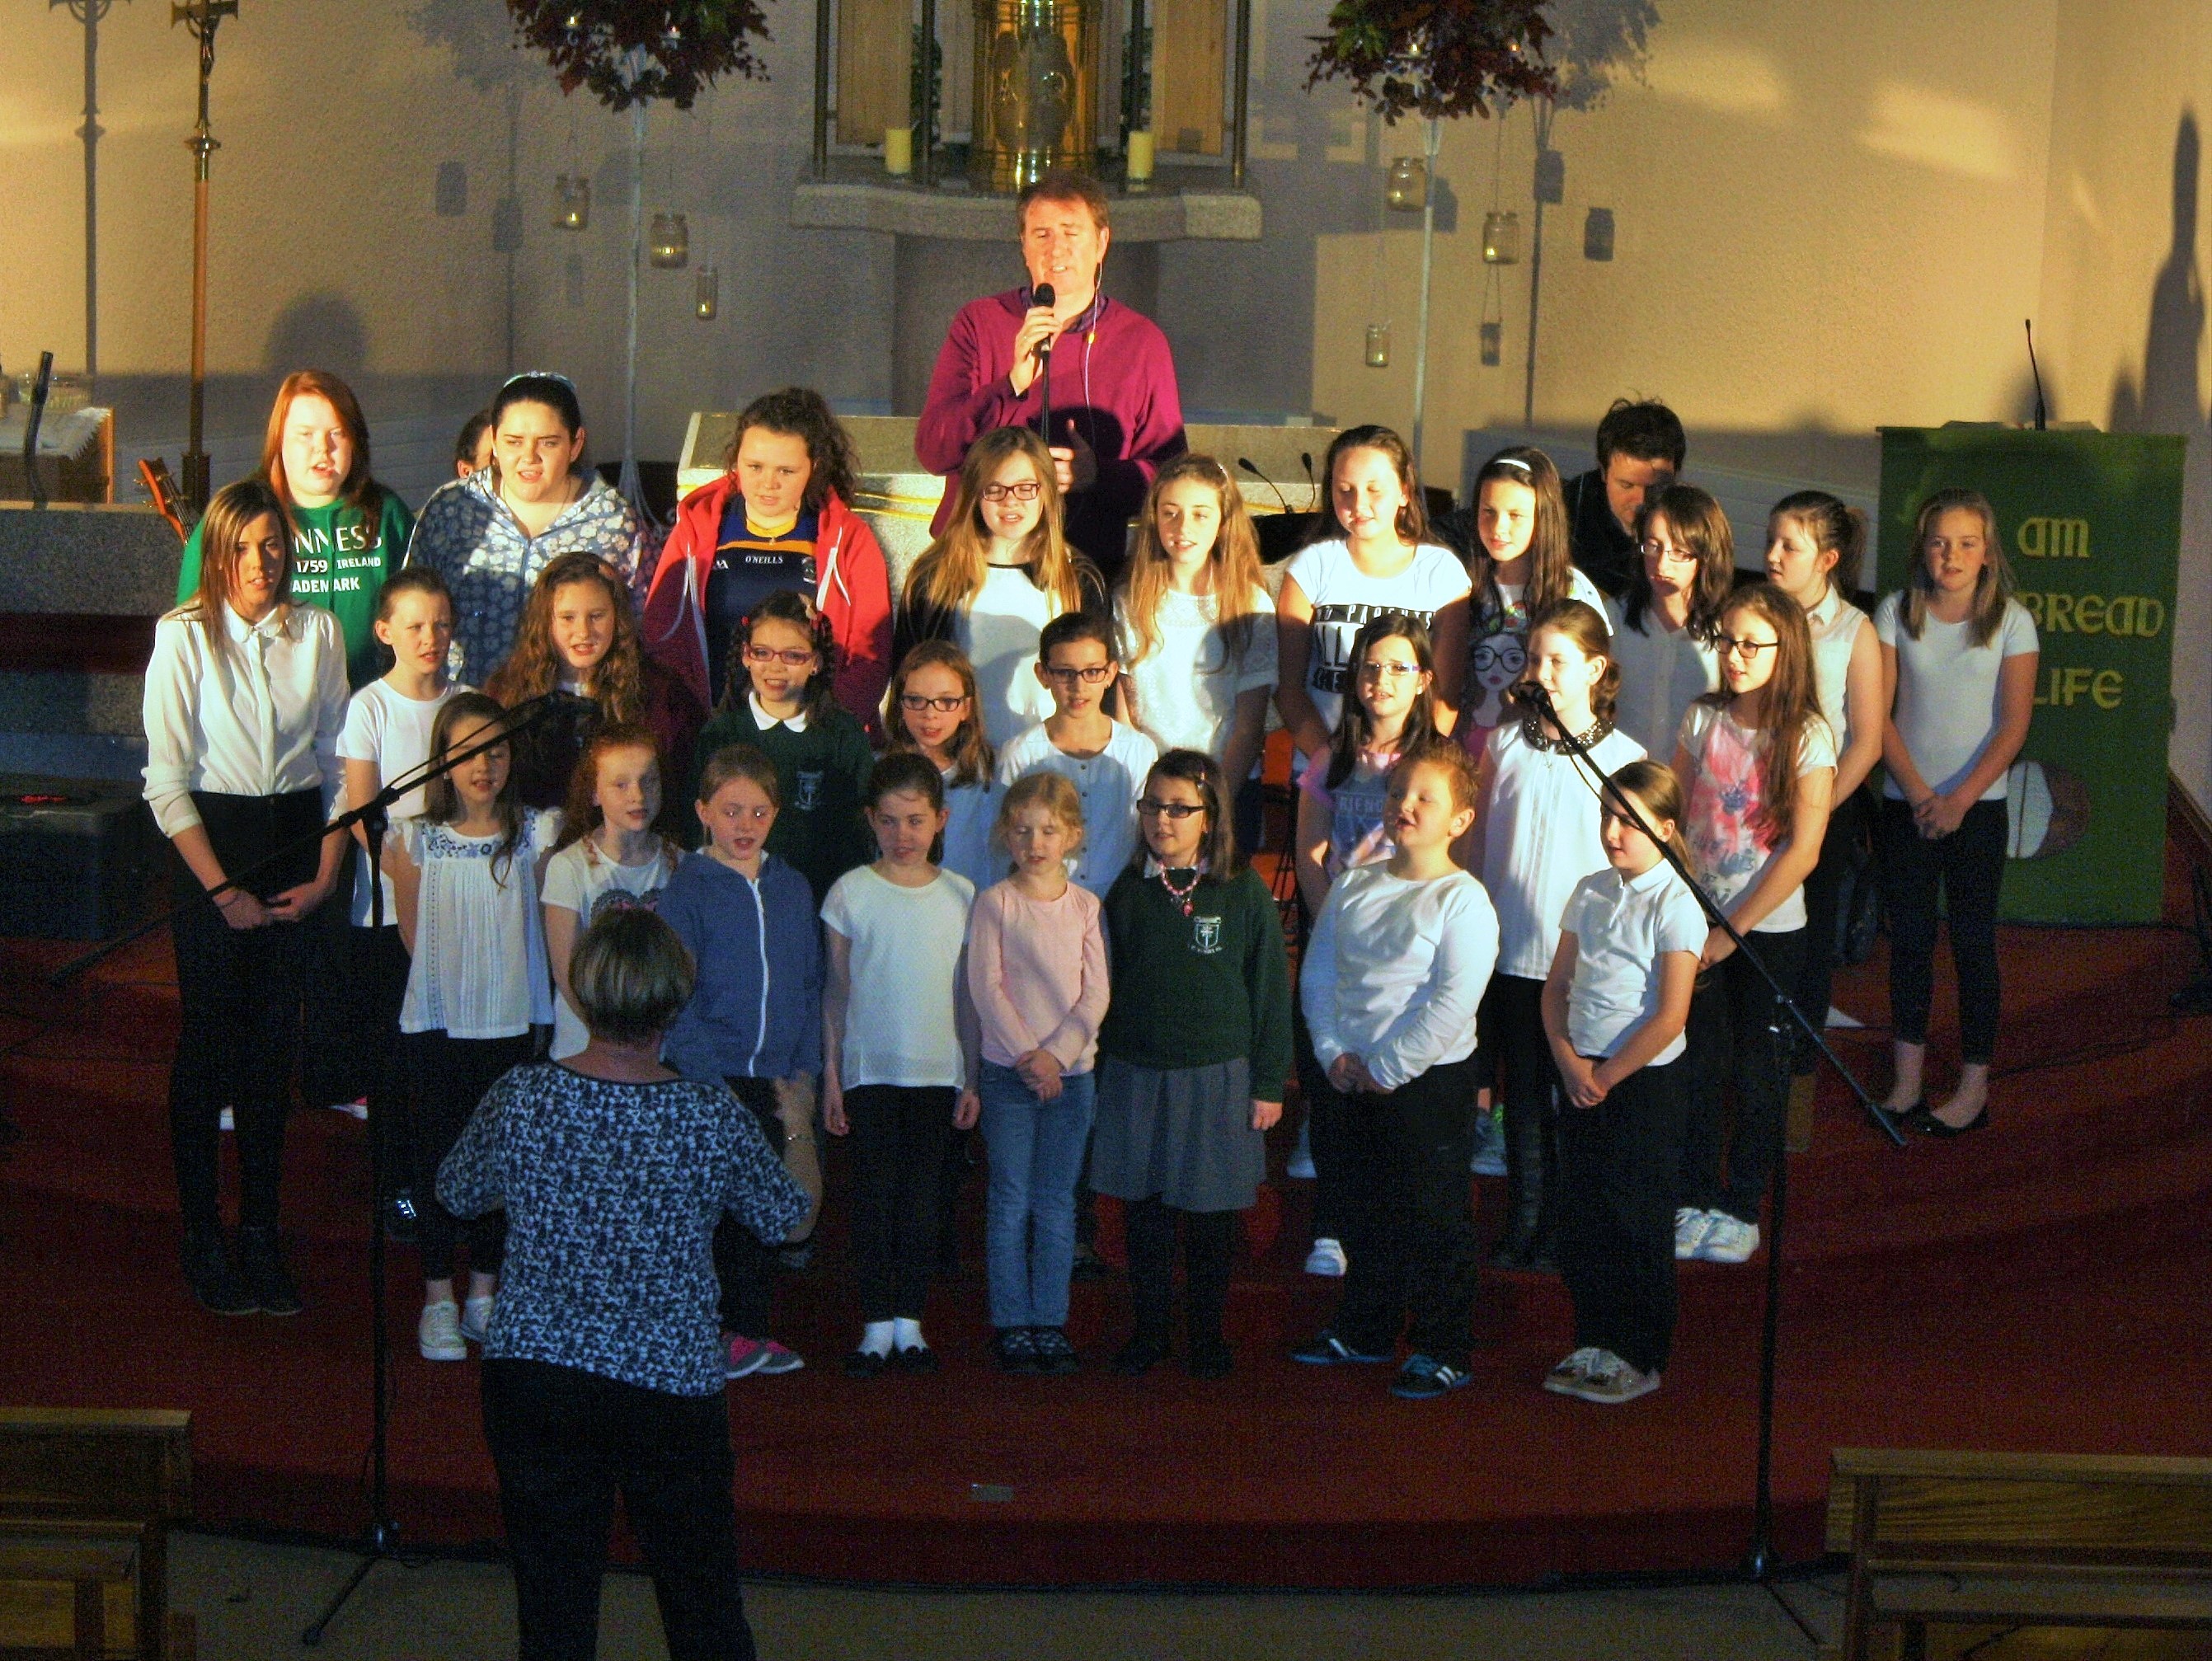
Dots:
{"x": 1036, "y": 970}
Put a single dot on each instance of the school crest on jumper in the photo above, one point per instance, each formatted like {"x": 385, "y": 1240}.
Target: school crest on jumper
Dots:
{"x": 1206, "y": 936}
{"x": 809, "y": 793}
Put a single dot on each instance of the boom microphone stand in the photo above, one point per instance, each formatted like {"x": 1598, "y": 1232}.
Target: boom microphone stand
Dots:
{"x": 1759, "y": 1562}
{"x": 380, "y": 1540}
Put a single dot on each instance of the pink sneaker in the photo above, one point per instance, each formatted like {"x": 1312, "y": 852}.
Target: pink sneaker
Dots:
{"x": 764, "y": 1356}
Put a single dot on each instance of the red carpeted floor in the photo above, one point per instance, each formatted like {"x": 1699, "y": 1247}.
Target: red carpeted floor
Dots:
{"x": 2041, "y": 1285}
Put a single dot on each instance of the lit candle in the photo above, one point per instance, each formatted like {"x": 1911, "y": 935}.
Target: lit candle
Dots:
{"x": 1140, "y": 158}
{"x": 898, "y": 151}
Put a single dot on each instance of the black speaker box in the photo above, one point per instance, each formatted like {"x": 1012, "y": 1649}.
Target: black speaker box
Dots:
{"x": 76, "y": 857}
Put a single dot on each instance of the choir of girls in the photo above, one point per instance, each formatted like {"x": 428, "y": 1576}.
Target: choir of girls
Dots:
{"x": 985, "y": 859}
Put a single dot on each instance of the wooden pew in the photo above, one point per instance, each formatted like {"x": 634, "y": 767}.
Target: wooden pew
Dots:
{"x": 82, "y": 1489}
{"x": 2017, "y": 1540}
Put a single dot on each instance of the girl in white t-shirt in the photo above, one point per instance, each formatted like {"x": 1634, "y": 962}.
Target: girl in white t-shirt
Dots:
{"x": 1523, "y": 564}
{"x": 933, "y": 708}
{"x": 1382, "y": 561}
{"x": 1959, "y": 661}
{"x": 899, "y": 1053}
{"x": 465, "y": 875}
{"x": 1000, "y": 573}
{"x": 1537, "y": 835}
{"x": 386, "y": 738}
{"x": 1813, "y": 542}
{"x": 1758, "y": 761}
{"x": 1197, "y": 629}
{"x": 609, "y": 855}
{"x": 1615, "y": 1003}
{"x": 1664, "y": 622}
{"x": 1342, "y": 824}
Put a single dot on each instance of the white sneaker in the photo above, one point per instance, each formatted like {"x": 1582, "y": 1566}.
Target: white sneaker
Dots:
{"x": 1691, "y": 1227}
{"x": 228, "y": 1122}
{"x": 1727, "y": 1241}
{"x": 439, "y": 1332}
{"x": 475, "y": 1318}
{"x": 1562, "y": 1380}
{"x": 1327, "y": 1258}
{"x": 1301, "y": 1167}
{"x": 1609, "y": 1381}
{"x": 358, "y": 1109}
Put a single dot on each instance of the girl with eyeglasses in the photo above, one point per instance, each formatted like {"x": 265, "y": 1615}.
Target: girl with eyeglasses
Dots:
{"x": 492, "y": 534}
{"x": 779, "y": 517}
{"x": 934, "y": 708}
{"x": 1197, "y": 626}
{"x": 1758, "y": 761}
{"x": 1341, "y": 824}
{"x": 1664, "y": 622}
{"x": 781, "y": 699}
{"x": 1192, "y": 1056}
{"x": 1000, "y": 571}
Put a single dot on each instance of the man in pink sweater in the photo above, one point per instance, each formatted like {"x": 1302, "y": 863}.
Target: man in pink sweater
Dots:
{"x": 1116, "y": 414}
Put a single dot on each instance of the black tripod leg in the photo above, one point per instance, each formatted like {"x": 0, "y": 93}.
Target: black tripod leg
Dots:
{"x": 1760, "y": 1564}
{"x": 313, "y": 1634}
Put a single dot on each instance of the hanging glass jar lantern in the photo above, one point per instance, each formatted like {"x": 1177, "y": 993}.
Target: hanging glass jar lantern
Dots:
{"x": 1378, "y": 346}
{"x": 1501, "y": 238}
{"x": 670, "y": 247}
{"x": 707, "y": 293}
{"x": 1406, "y": 190}
{"x": 1493, "y": 344}
{"x": 572, "y": 203}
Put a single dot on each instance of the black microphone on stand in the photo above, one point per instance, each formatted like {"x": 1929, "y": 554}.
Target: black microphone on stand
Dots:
{"x": 1313, "y": 485}
{"x": 1043, "y": 295}
{"x": 2029, "y": 324}
{"x": 1245, "y": 463}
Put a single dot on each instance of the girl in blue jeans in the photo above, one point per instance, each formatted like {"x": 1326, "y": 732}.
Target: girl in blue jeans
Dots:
{"x": 1036, "y": 971}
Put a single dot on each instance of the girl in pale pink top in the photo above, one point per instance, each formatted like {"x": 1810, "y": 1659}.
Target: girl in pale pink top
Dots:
{"x": 1036, "y": 971}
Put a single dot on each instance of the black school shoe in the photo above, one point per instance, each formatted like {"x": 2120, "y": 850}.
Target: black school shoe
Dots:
{"x": 1209, "y": 1358}
{"x": 1054, "y": 1354}
{"x": 1014, "y": 1350}
{"x": 916, "y": 1360}
{"x": 1140, "y": 1356}
{"x": 865, "y": 1364}
{"x": 213, "y": 1282}
{"x": 261, "y": 1267}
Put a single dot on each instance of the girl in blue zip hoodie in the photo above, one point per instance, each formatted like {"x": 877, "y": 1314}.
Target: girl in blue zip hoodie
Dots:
{"x": 755, "y": 1018}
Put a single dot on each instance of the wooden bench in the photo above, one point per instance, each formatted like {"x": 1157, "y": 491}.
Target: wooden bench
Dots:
{"x": 2017, "y": 1540}
{"x": 87, "y": 1499}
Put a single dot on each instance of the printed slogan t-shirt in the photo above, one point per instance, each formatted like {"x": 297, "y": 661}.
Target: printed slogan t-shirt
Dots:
{"x": 1344, "y": 598}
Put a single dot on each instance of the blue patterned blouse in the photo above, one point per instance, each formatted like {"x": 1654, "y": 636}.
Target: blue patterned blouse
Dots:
{"x": 612, "y": 1192}
{"x": 469, "y": 537}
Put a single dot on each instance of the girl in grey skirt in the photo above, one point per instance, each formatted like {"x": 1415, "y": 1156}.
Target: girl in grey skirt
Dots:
{"x": 1192, "y": 1056}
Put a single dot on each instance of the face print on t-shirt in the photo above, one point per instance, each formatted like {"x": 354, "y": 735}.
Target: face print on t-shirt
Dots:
{"x": 1496, "y": 659}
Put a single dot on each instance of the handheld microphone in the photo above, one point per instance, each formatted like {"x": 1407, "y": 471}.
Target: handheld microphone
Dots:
{"x": 1245, "y": 463}
{"x": 1043, "y": 295}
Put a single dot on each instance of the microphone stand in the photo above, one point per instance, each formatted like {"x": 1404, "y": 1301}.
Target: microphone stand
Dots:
{"x": 1759, "y": 1561}
{"x": 380, "y": 1541}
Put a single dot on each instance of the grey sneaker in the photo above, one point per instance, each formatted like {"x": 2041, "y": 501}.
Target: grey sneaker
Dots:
{"x": 1489, "y": 1145}
{"x": 439, "y": 1332}
{"x": 1727, "y": 1241}
{"x": 1691, "y": 1227}
{"x": 1570, "y": 1373}
{"x": 1609, "y": 1381}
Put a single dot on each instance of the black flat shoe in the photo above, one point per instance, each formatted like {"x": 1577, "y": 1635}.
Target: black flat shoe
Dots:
{"x": 1209, "y": 1358}
{"x": 865, "y": 1364}
{"x": 1943, "y": 1132}
{"x": 1914, "y": 1118}
{"x": 1140, "y": 1356}
{"x": 917, "y": 1360}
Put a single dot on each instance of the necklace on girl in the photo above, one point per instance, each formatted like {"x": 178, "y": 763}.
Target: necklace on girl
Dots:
{"x": 1532, "y": 730}
{"x": 1180, "y": 895}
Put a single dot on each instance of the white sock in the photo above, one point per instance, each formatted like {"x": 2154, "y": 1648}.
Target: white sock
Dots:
{"x": 876, "y": 1338}
{"x": 907, "y": 1334}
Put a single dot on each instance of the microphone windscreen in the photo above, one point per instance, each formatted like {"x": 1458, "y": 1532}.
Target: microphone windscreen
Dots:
{"x": 1042, "y": 294}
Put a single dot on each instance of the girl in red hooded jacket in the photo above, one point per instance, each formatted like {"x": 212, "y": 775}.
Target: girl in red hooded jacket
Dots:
{"x": 780, "y": 517}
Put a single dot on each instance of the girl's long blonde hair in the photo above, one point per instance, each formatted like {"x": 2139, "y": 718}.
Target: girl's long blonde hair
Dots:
{"x": 950, "y": 575}
{"x": 1232, "y": 567}
{"x": 1993, "y": 586}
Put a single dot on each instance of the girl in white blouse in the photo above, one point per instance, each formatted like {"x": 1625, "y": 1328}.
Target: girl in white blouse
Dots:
{"x": 1536, "y": 837}
{"x": 244, "y": 697}
{"x": 1197, "y": 628}
{"x": 1813, "y": 546}
{"x": 466, "y": 873}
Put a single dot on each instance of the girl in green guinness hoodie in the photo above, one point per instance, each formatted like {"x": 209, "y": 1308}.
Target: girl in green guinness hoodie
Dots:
{"x": 348, "y": 532}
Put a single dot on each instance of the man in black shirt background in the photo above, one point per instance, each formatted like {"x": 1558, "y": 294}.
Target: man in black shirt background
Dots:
{"x": 1640, "y": 449}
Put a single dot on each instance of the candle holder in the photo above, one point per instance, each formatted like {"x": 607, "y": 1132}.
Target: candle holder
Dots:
{"x": 1501, "y": 238}
{"x": 707, "y": 293}
{"x": 671, "y": 246}
{"x": 572, "y": 203}
{"x": 1407, "y": 189}
{"x": 1493, "y": 344}
{"x": 1378, "y": 346}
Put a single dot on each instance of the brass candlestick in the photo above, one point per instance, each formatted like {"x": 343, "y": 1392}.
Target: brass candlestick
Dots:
{"x": 201, "y": 17}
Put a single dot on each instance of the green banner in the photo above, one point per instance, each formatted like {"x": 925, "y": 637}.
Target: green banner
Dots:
{"x": 2091, "y": 524}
